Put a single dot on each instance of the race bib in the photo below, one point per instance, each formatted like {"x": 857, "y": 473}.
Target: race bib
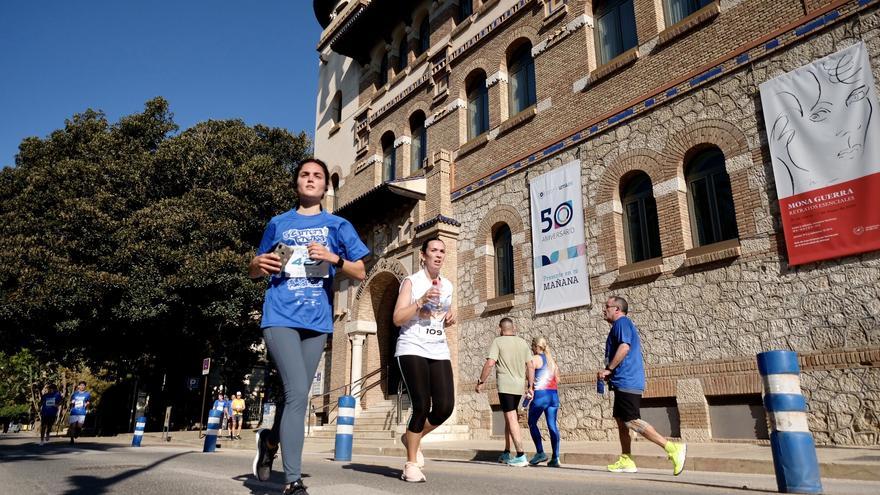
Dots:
{"x": 79, "y": 404}
{"x": 50, "y": 402}
{"x": 301, "y": 266}
{"x": 434, "y": 331}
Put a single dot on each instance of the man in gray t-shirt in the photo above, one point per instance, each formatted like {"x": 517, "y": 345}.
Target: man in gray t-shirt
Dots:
{"x": 510, "y": 355}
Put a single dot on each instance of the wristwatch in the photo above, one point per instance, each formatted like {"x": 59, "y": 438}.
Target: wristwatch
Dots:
{"x": 339, "y": 263}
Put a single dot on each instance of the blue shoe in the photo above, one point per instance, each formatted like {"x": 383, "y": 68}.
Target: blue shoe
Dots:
{"x": 538, "y": 458}
{"x": 553, "y": 462}
{"x": 504, "y": 458}
{"x": 519, "y": 461}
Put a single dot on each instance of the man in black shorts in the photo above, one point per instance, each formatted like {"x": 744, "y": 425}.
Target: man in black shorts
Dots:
{"x": 510, "y": 356}
{"x": 625, "y": 371}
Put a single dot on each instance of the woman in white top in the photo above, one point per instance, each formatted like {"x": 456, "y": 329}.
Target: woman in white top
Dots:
{"x": 423, "y": 310}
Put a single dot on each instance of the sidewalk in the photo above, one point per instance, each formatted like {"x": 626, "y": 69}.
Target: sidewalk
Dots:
{"x": 834, "y": 462}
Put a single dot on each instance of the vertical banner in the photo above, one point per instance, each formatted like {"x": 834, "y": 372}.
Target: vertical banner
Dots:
{"x": 558, "y": 247}
{"x": 825, "y": 145}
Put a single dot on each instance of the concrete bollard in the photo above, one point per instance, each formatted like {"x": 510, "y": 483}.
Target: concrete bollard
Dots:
{"x": 139, "y": 426}
{"x": 212, "y": 430}
{"x": 344, "y": 428}
{"x": 794, "y": 451}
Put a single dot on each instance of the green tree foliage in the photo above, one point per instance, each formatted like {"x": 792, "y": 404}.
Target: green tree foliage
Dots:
{"x": 125, "y": 245}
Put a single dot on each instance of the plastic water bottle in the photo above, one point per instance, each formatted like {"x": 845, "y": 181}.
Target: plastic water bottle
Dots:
{"x": 434, "y": 302}
{"x": 600, "y": 386}
{"x": 526, "y": 401}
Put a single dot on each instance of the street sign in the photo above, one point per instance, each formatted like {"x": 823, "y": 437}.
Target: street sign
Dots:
{"x": 192, "y": 383}
{"x": 206, "y": 366}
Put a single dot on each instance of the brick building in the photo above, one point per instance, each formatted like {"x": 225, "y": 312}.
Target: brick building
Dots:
{"x": 434, "y": 117}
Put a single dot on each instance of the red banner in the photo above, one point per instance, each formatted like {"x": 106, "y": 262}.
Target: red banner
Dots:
{"x": 833, "y": 221}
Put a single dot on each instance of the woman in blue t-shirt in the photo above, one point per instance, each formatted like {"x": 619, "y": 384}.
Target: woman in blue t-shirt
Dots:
{"x": 298, "y": 308}
{"x": 49, "y": 403}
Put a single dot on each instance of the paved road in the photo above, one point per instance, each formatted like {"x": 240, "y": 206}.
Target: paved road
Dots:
{"x": 99, "y": 468}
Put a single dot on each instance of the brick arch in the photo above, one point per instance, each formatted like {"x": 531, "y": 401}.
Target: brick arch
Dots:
{"x": 648, "y": 161}
{"x": 522, "y": 33}
{"x": 417, "y": 107}
{"x": 484, "y": 251}
{"x": 720, "y": 133}
{"x": 465, "y": 70}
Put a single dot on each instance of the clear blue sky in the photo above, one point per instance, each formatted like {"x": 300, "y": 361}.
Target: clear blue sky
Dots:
{"x": 211, "y": 59}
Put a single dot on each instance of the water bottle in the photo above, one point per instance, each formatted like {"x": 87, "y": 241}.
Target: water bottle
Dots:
{"x": 434, "y": 302}
{"x": 526, "y": 401}
{"x": 600, "y": 386}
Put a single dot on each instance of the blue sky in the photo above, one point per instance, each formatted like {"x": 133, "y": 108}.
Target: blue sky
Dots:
{"x": 211, "y": 59}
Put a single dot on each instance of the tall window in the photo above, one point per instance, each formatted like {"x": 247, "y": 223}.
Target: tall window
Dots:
{"x": 478, "y": 105}
{"x": 336, "y": 108}
{"x": 641, "y": 226}
{"x": 424, "y": 35}
{"x": 521, "y": 86}
{"x": 401, "y": 56}
{"x": 503, "y": 260}
{"x": 389, "y": 162}
{"x": 710, "y": 198}
{"x": 419, "y": 143}
{"x": 615, "y": 28}
{"x": 383, "y": 70}
{"x": 465, "y": 9}
{"x": 677, "y": 10}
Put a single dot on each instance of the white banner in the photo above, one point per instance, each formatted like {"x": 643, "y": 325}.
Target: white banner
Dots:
{"x": 558, "y": 243}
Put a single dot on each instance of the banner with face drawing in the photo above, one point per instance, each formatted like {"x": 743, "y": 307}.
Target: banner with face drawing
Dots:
{"x": 824, "y": 141}
{"x": 560, "y": 253}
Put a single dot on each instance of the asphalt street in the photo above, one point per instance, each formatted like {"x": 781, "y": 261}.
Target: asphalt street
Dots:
{"x": 98, "y": 468}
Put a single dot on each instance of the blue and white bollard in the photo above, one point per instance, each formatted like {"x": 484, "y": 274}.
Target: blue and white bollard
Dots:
{"x": 139, "y": 426}
{"x": 794, "y": 451}
{"x": 212, "y": 430}
{"x": 344, "y": 428}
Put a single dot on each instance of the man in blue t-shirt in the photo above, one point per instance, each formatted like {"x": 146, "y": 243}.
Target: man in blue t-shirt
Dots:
{"x": 79, "y": 407}
{"x": 49, "y": 403}
{"x": 225, "y": 406}
{"x": 625, "y": 372}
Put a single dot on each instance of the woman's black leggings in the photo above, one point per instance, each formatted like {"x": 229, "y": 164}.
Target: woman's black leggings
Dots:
{"x": 430, "y": 388}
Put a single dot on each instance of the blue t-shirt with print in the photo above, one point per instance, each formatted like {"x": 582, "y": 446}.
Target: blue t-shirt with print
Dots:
{"x": 79, "y": 401}
{"x": 222, "y": 405}
{"x": 306, "y": 302}
{"x": 629, "y": 375}
{"x": 49, "y": 403}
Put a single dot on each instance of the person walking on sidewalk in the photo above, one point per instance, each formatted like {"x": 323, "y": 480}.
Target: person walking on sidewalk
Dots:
{"x": 49, "y": 403}
{"x": 79, "y": 407}
{"x": 625, "y": 371}
{"x": 238, "y": 407}
{"x": 298, "y": 307}
{"x": 544, "y": 400}
{"x": 222, "y": 405}
{"x": 423, "y": 311}
{"x": 510, "y": 355}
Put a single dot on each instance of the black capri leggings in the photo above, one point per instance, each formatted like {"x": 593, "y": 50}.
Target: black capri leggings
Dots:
{"x": 430, "y": 387}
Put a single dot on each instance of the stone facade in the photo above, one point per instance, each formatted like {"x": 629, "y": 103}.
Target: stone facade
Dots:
{"x": 703, "y": 311}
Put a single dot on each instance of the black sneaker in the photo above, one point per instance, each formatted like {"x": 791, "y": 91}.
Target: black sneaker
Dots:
{"x": 265, "y": 456}
{"x": 295, "y": 488}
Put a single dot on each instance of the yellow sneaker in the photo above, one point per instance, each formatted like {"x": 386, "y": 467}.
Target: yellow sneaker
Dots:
{"x": 624, "y": 464}
{"x": 677, "y": 453}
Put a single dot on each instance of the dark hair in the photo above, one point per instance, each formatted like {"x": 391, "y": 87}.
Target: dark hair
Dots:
{"x": 428, "y": 241}
{"x": 81, "y": 382}
{"x": 621, "y": 303}
{"x": 319, "y": 162}
{"x": 505, "y": 320}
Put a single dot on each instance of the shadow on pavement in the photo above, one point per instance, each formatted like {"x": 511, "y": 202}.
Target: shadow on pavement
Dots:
{"x": 32, "y": 451}
{"x": 273, "y": 486}
{"x": 685, "y": 482}
{"x": 386, "y": 471}
{"x": 94, "y": 485}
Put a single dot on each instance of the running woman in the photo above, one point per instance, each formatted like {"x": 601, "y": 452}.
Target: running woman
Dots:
{"x": 545, "y": 400}
{"x": 79, "y": 407}
{"x": 423, "y": 311}
{"x": 298, "y": 308}
{"x": 49, "y": 403}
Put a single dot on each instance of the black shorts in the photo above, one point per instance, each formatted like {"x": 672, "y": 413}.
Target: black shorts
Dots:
{"x": 508, "y": 401}
{"x": 48, "y": 418}
{"x": 626, "y": 406}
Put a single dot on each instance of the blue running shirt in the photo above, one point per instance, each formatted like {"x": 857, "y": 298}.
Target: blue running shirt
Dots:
{"x": 306, "y": 302}
{"x": 629, "y": 376}
{"x": 79, "y": 400}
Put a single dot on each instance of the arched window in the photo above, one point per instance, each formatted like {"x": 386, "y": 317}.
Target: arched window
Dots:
{"x": 615, "y": 28}
{"x": 710, "y": 198}
{"x": 641, "y": 230}
{"x": 419, "y": 143}
{"x": 424, "y": 35}
{"x": 383, "y": 70}
{"x": 465, "y": 9}
{"x": 521, "y": 79}
{"x": 401, "y": 56}
{"x": 503, "y": 245}
{"x": 389, "y": 162}
{"x": 477, "y": 105}
{"x": 676, "y": 10}
{"x": 336, "y": 108}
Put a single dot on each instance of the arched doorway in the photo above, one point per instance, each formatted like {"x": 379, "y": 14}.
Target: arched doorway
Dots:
{"x": 386, "y": 338}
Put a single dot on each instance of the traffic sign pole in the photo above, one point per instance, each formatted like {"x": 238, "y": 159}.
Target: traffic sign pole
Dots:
{"x": 206, "y": 368}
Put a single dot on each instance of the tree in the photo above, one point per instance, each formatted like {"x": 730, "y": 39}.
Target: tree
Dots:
{"x": 124, "y": 246}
